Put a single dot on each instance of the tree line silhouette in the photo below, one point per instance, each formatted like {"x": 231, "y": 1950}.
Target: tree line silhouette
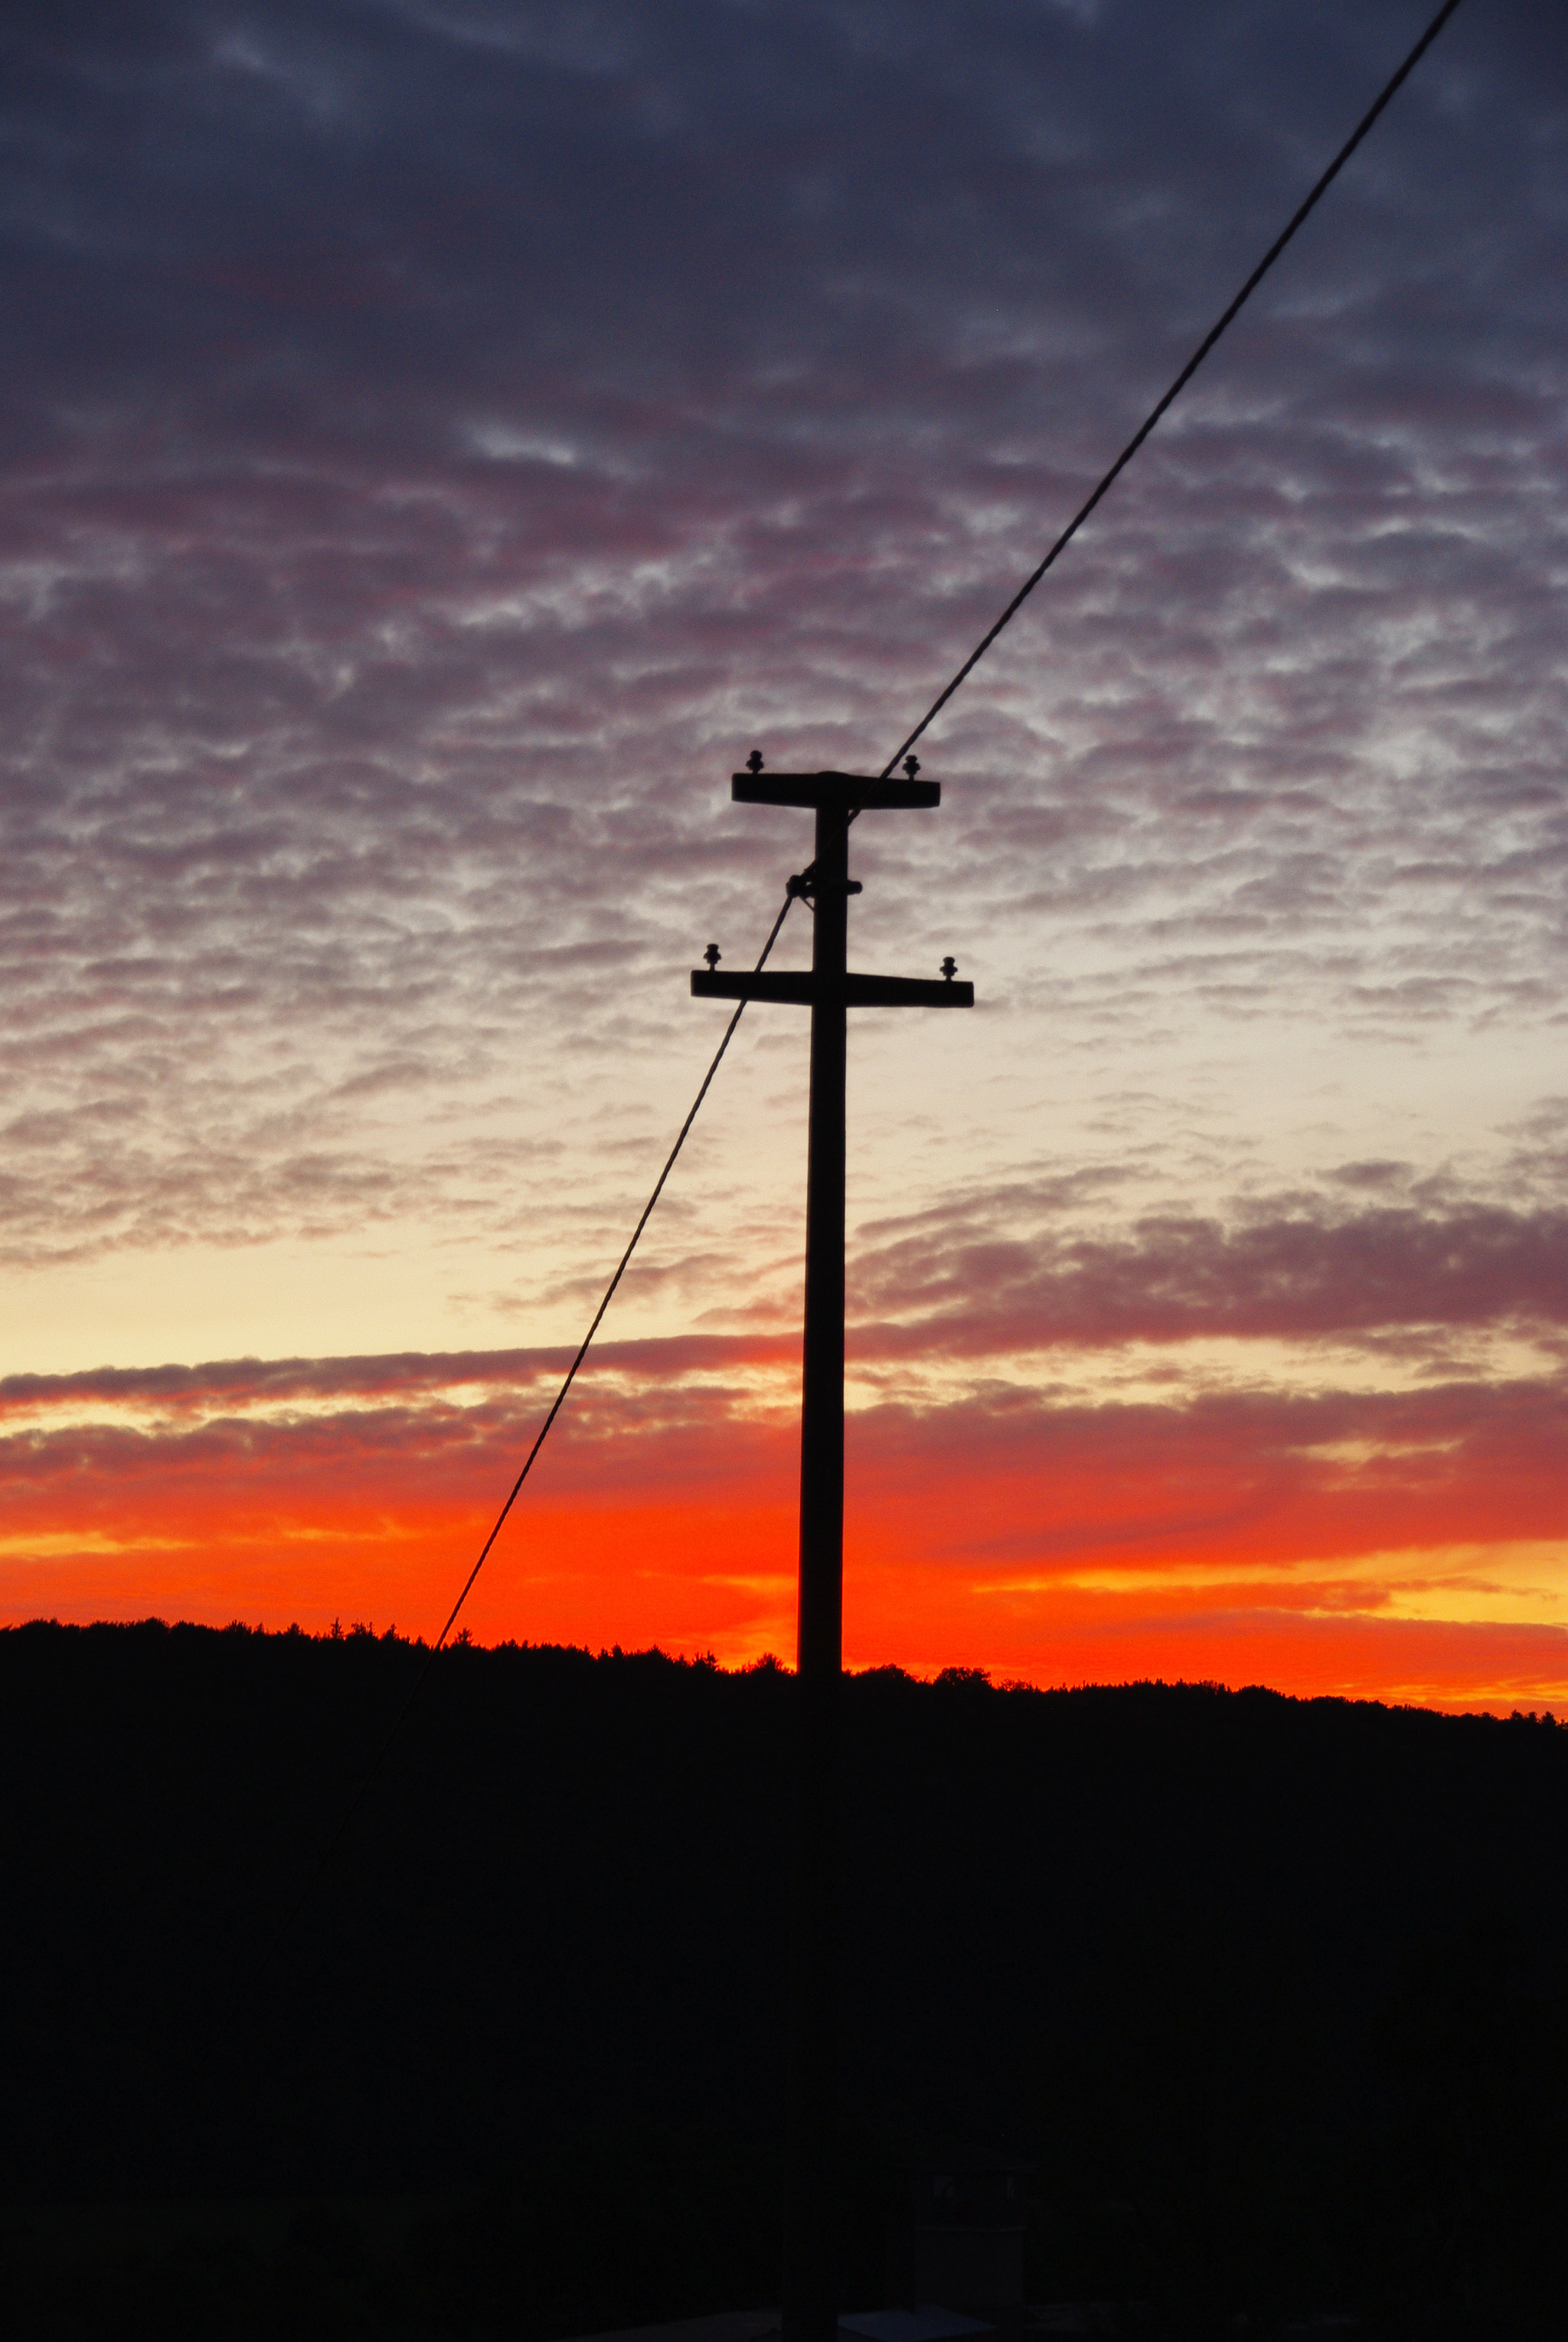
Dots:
{"x": 1272, "y": 1994}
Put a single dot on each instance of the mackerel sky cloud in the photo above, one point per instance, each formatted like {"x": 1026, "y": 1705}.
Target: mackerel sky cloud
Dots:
{"x": 439, "y": 441}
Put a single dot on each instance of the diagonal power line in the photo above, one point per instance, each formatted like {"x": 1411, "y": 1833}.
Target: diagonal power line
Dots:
{"x": 308, "y": 1889}
{"x": 1013, "y": 607}
{"x": 1182, "y": 380}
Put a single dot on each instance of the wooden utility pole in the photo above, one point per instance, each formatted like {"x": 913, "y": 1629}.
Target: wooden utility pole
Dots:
{"x": 810, "y": 2277}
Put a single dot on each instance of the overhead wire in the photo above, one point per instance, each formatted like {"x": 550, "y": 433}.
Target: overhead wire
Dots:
{"x": 303, "y": 1897}
{"x": 1182, "y": 380}
{"x": 1300, "y": 214}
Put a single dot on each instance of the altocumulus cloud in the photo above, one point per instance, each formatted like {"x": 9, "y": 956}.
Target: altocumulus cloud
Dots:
{"x": 439, "y": 439}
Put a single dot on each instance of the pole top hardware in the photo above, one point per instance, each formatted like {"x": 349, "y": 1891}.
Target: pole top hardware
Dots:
{"x": 755, "y": 761}
{"x": 805, "y": 885}
{"x": 712, "y": 957}
{"x": 845, "y": 793}
{"x": 912, "y": 766}
{"x": 949, "y": 965}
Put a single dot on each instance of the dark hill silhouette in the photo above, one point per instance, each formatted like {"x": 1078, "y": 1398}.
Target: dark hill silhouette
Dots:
{"x": 1273, "y": 1993}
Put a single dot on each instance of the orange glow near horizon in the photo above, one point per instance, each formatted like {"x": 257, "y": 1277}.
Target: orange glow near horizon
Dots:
{"x": 401, "y": 551}
{"x": 1103, "y": 1547}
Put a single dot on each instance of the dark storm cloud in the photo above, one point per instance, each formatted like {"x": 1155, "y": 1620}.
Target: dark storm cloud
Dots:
{"x": 436, "y": 435}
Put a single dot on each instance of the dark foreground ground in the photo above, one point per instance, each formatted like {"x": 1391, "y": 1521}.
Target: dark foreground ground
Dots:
{"x": 1274, "y": 1995}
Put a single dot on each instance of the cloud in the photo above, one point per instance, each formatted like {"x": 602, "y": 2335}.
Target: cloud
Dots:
{"x": 246, "y": 1382}
{"x": 329, "y": 721}
{"x": 985, "y": 1276}
{"x": 1010, "y": 1529}
{"x": 439, "y": 441}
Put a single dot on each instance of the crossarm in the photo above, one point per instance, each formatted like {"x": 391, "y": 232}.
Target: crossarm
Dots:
{"x": 859, "y": 991}
{"x": 836, "y": 791}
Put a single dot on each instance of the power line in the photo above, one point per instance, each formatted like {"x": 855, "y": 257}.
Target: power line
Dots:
{"x": 1122, "y": 460}
{"x": 1194, "y": 363}
{"x": 380, "y": 1757}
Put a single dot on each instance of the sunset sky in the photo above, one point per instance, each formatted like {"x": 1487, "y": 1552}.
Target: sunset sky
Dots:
{"x": 440, "y": 440}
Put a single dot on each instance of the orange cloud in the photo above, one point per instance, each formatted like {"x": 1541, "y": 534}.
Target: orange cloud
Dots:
{"x": 1394, "y": 1546}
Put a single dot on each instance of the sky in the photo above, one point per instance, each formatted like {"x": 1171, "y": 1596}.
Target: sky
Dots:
{"x": 440, "y": 440}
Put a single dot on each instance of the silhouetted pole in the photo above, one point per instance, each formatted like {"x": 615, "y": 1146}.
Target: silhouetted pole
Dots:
{"x": 811, "y": 2274}
{"x": 811, "y": 2305}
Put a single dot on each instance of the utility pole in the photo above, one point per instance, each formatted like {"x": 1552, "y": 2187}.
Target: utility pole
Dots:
{"x": 810, "y": 2275}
